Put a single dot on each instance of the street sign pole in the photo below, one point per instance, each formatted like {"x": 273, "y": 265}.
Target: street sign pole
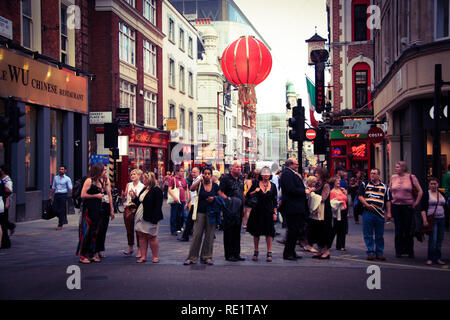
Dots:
{"x": 437, "y": 116}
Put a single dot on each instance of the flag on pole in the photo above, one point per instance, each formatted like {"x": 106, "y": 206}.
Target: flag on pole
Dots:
{"x": 312, "y": 102}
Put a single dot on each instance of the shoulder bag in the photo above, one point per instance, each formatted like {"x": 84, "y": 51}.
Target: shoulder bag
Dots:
{"x": 430, "y": 219}
{"x": 194, "y": 212}
{"x": 176, "y": 191}
{"x": 414, "y": 191}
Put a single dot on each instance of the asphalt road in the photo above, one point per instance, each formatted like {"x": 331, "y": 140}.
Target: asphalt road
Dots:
{"x": 36, "y": 268}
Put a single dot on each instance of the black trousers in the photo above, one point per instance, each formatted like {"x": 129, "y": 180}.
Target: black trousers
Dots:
{"x": 404, "y": 239}
{"x": 232, "y": 239}
{"x": 340, "y": 230}
{"x": 295, "y": 224}
{"x": 102, "y": 227}
{"x": 6, "y": 242}
{"x": 60, "y": 206}
{"x": 189, "y": 225}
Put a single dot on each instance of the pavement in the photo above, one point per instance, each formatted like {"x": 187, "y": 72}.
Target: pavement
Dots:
{"x": 35, "y": 268}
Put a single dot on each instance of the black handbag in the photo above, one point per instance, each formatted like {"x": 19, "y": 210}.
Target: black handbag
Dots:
{"x": 251, "y": 201}
{"x": 49, "y": 212}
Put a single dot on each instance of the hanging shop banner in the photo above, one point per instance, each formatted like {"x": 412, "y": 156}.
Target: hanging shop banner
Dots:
{"x": 39, "y": 83}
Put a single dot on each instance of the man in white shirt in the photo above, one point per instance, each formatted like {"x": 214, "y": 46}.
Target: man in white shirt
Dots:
{"x": 62, "y": 185}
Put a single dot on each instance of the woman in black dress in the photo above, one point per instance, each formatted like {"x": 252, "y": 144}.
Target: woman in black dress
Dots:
{"x": 92, "y": 196}
{"x": 263, "y": 215}
{"x": 324, "y": 230}
{"x": 106, "y": 212}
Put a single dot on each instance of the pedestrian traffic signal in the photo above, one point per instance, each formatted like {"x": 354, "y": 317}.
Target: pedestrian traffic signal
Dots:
{"x": 5, "y": 125}
{"x": 17, "y": 120}
{"x": 297, "y": 122}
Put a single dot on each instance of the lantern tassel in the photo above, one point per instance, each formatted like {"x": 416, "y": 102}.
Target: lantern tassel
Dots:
{"x": 247, "y": 95}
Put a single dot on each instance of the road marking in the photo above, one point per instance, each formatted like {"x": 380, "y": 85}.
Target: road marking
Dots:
{"x": 443, "y": 268}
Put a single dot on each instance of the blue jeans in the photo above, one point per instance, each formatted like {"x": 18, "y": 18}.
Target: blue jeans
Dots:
{"x": 435, "y": 240}
{"x": 177, "y": 216}
{"x": 373, "y": 222}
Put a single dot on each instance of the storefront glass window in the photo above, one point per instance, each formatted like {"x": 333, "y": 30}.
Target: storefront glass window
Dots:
{"x": 147, "y": 161}
{"x": 30, "y": 148}
{"x": 56, "y": 142}
{"x": 140, "y": 159}
{"x": 132, "y": 158}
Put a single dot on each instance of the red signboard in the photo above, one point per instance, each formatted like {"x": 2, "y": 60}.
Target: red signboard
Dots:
{"x": 375, "y": 135}
{"x": 311, "y": 134}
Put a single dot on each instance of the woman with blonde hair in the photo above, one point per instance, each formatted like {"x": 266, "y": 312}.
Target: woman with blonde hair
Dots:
{"x": 406, "y": 196}
{"x": 130, "y": 209}
{"x": 149, "y": 203}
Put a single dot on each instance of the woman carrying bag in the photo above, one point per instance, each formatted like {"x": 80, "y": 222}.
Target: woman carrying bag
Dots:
{"x": 433, "y": 214}
{"x": 207, "y": 191}
{"x": 406, "y": 196}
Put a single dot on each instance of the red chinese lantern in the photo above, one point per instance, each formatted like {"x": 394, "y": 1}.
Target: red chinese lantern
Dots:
{"x": 245, "y": 63}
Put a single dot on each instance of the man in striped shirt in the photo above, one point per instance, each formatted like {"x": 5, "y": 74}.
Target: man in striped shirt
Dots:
{"x": 375, "y": 197}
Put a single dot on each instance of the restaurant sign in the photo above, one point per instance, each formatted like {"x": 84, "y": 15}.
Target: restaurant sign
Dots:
{"x": 35, "y": 82}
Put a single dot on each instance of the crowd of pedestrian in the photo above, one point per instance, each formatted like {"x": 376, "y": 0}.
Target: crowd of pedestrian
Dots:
{"x": 313, "y": 208}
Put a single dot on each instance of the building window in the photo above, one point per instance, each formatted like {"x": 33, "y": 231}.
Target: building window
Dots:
{"x": 27, "y": 24}
{"x": 361, "y": 85}
{"x": 150, "y": 11}
{"x": 234, "y": 122}
{"x": 126, "y": 44}
{"x": 182, "y": 81}
{"x": 128, "y": 98}
{"x": 191, "y": 84}
{"x": 172, "y": 73}
{"x": 172, "y": 111}
{"x": 191, "y": 126}
{"x": 64, "y": 35}
{"x": 31, "y": 144}
{"x": 359, "y": 23}
{"x": 130, "y": 2}
{"x": 149, "y": 58}
{"x": 182, "y": 119}
{"x": 171, "y": 30}
{"x": 199, "y": 124}
{"x": 181, "y": 44}
{"x": 442, "y": 18}
{"x": 191, "y": 47}
{"x": 150, "y": 109}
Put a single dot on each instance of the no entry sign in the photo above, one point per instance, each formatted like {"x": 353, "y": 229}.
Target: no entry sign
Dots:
{"x": 375, "y": 135}
{"x": 311, "y": 134}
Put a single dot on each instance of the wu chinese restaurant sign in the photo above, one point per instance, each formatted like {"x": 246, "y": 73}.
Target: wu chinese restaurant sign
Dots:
{"x": 39, "y": 83}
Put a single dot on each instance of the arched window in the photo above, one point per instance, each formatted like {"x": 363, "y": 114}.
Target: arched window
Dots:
{"x": 199, "y": 124}
{"x": 360, "y": 32}
{"x": 361, "y": 85}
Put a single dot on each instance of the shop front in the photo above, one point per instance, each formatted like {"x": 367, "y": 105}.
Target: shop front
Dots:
{"x": 351, "y": 152}
{"x": 54, "y": 101}
{"x": 147, "y": 150}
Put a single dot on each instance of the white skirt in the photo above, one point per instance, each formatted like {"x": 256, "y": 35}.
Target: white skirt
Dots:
{"x": 140, "y": 225}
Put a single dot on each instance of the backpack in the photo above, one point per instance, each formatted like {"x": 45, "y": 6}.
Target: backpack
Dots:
{"x": 76, "y": 192}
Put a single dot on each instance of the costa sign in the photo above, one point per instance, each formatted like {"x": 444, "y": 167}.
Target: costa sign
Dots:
{"x": 375, "y": 135}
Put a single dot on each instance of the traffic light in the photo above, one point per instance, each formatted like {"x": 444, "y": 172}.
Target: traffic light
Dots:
{"x": 5, "y": 125}
{"x": 321, "y": 142}
{"x": 17, "y": 120}
{"x": 297, "y": 122}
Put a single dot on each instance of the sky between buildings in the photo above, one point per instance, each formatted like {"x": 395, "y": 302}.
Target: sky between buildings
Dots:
{"x": 285, "y": 25}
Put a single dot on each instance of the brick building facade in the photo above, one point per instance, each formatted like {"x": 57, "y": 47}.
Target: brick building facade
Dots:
{"x": 352, "y": 59}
